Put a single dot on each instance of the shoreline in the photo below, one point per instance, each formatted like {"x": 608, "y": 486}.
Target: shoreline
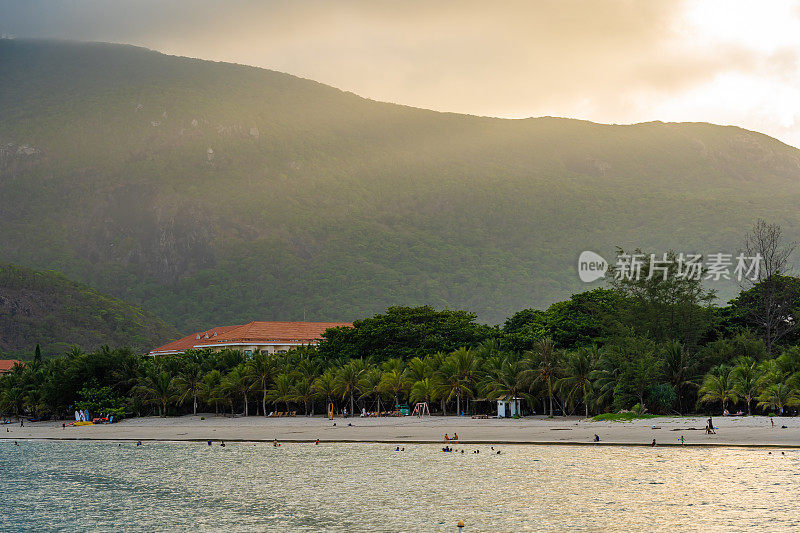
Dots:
{"x": 410, "y": 442}
{"x": 754, "y": 432}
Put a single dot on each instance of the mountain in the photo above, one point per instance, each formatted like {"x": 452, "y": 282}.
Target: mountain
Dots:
{"x": 213, "y": 193}
{"x": 48, "y": 309}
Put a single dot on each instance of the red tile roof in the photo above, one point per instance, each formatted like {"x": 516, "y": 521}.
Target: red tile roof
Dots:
{"x": 189, "y": 342}
{"x": 253, "y": 332}
{"x": 7, "y": 364}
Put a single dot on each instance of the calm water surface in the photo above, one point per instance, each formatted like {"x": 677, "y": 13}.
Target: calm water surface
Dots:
{"x": 85, "y": 486}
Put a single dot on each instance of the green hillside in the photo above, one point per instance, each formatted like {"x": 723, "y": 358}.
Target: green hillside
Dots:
{"x": 212, "y": 193}
{"x": 48, "y": 309}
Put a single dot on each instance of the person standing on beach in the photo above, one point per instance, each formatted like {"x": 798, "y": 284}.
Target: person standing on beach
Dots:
{"x": 682, "y": 440}
{"x": 772, "y": 421}
{"x": 654, "y": 443}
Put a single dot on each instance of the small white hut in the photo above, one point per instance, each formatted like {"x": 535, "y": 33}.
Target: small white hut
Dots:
{"x": 509, "y": 408}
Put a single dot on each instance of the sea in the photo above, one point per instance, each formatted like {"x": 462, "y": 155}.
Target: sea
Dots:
{"x": 245, "y": 486}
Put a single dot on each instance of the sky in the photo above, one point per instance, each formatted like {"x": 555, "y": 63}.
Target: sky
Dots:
{"x": 611, "y": 61}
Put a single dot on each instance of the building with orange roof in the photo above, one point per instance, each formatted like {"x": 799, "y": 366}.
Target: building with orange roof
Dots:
{"x": 7, "y": 364}
{"x": 270, "y": 337}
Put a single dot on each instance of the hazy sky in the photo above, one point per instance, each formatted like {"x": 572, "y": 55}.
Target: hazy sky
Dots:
{"x": 722, "y": 61}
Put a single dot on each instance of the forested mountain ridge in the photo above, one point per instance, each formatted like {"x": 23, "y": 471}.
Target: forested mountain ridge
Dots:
{"x": 212, "y": 193}
{"x": 46, "y": 308}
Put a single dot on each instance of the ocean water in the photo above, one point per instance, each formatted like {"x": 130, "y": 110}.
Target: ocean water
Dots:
{"x": 101, "y": 486}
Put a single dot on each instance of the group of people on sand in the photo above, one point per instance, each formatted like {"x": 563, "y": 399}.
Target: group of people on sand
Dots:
{"x": 448, "y": 438}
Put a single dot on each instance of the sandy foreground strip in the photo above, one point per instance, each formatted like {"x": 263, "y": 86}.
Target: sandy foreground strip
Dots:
{"x": 747, "y": 431}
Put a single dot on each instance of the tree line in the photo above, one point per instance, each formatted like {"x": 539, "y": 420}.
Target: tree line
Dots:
{"x": 655, "y": 344}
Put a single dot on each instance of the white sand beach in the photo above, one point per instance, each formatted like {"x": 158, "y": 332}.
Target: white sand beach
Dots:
{"x": 732, "y": 431}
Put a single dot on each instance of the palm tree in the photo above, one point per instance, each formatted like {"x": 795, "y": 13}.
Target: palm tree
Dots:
{"x": 33, "y": 399}
{"x": 75, "y": 351}
{"x": 13, "y": 399}
{"x": 393, "y": 383}
{"x": 210, "y": 389}
{"x": 370, "y": 384}
{"x": 543, "y": 366}
{"x": 433, "y": 362}
{"x": 456, "y": 376}
{"x": 393, "y": 364}
{"x": 777, "y": 396}
{"x": 326, "y": 386}
{"x": 282, "y": 390}
{"x": 506, "y": 381}
{"x": 789, "y": 360}
{"x": 679, "y": 369}
{"x": 488, "y": 348}
{"x": 239, "y": 382}
{"x": 188, "y": 383}
{"x": 262, "y": 370}
{"x": 604, "y": 380}
{"x": 304, "y": 392}
{"x": 718, "y": 387}
{"x": 125, "y": 373}
{"x": 416, "y": 369}
{"x": 347, "y": 379}
{"x": 157, "y": 387}
{"x": 746, "y": 380}
{"x": 577, "y": 380}
{"x": 424, "y": 390}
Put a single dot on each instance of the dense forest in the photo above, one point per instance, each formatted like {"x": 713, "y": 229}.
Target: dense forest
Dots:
{"x": 211, "y": 193}
{"x": 44, "y": 307}
{"x": 655, "y": 344}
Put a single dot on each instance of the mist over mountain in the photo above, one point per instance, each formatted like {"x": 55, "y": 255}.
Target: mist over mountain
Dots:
{"x": 212, "y": 193}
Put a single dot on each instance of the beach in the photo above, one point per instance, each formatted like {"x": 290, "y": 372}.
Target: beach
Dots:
{"x": 731, "y": 431}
